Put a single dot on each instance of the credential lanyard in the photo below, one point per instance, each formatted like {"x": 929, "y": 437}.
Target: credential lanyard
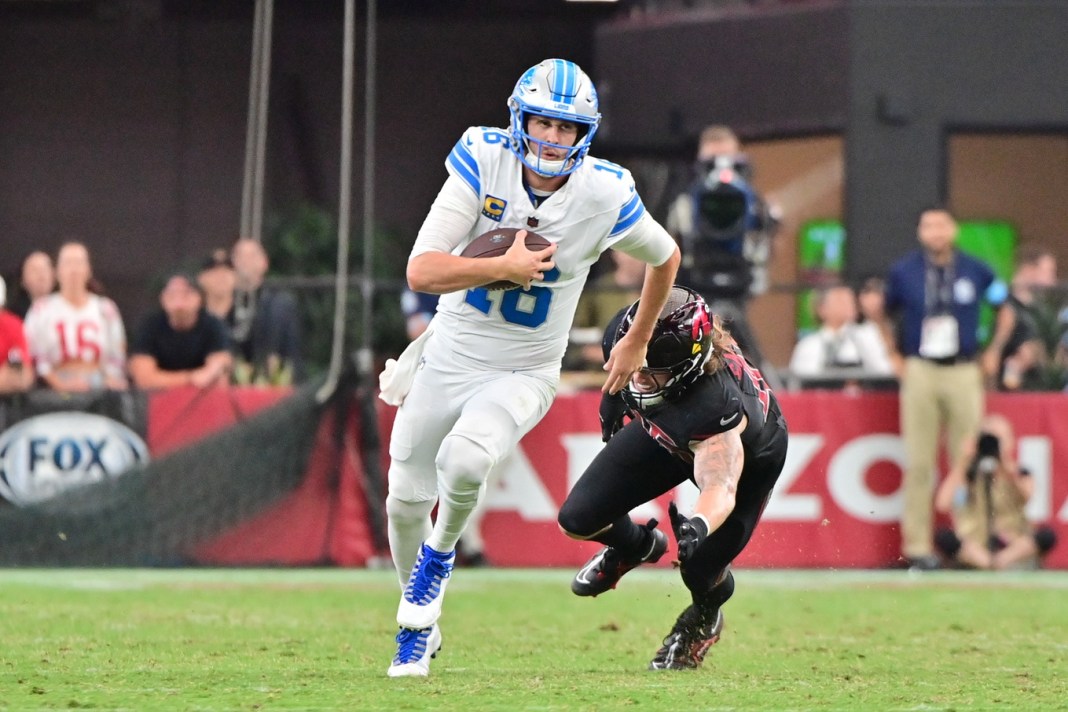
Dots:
{"x": 938, "y": 290}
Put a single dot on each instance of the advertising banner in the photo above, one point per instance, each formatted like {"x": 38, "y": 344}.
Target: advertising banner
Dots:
{"x": 837, "y": 502}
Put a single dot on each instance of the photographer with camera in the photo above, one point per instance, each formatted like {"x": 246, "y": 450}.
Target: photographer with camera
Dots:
{"x": 985, "y": 494}
{"x": 724, "y": 229}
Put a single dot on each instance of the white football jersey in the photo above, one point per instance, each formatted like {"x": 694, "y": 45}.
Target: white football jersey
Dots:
{"x": 596, "y": 209}
{"x": 58, "y": 332}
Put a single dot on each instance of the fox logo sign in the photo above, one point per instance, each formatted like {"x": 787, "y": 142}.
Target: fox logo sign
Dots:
{"x": 43, "y": 456}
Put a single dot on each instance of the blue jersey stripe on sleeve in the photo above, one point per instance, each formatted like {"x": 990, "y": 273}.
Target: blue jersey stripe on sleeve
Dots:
{"x": 629, "y": 214}
{"x": 463, "y": 162}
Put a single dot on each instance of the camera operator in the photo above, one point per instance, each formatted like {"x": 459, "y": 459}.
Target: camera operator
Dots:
{"x": 724, "y": 229}
{"x": 985, "y": 494}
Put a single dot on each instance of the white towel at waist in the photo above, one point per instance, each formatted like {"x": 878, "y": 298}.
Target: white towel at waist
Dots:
{"x": 396, "y": 378}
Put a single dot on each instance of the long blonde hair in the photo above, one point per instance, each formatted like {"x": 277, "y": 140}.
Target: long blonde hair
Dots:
{"x": 722, "y": 341}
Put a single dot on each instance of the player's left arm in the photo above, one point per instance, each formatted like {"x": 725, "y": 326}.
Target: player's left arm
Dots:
{"x": 628, "y": 355}
{"x": 717, "y": 467}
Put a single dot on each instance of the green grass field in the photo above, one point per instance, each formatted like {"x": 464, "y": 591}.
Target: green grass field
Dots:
{"x": 518, "y": 639}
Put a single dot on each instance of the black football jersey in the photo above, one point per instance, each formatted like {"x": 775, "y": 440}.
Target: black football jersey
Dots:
{"x": 714, "y": 404}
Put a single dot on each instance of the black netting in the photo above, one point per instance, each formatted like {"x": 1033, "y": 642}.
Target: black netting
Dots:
{"x": 155, "y": 514}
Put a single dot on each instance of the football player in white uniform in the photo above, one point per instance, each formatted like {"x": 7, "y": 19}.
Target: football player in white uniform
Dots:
{"x": 486, "y": 370}
{"x": 76, "y": 338}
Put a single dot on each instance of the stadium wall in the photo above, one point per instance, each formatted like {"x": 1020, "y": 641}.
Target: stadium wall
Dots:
{"x": 896, "y": 79}
{"x": 131, "y": 135}
{"x": 234, "y": 483}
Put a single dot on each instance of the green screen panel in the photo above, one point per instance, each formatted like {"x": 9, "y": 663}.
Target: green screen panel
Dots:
{"x": 821, "y": 253}
{"x": 993, "y": 242}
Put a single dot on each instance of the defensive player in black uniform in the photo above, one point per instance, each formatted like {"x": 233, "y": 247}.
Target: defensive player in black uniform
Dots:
{"x": 699, "y": 412}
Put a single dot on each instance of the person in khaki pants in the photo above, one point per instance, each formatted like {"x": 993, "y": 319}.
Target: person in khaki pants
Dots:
{"x": 933, "y": 294}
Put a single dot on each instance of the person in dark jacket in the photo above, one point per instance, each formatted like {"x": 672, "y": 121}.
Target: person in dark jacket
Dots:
{"x": 264, "y": 322}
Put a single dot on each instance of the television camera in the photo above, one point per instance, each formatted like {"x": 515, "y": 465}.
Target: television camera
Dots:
{"x": 732, "y": 228}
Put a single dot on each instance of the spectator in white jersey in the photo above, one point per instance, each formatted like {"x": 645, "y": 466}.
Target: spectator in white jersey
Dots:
{"x": 76, "y": 338}
{"x": 486, "y": 370}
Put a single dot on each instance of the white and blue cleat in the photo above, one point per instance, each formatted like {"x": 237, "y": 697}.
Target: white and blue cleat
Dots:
{"x": 415, "y": 648}
{"x": 420, "y": 604}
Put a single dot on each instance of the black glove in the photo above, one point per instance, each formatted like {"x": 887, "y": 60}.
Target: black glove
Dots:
{"x": 688, "y": 532}
{"x": 612, "y": 411}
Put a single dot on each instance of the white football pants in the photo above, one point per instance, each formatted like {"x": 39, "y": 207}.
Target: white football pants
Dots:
{"x": 453, "y": 427}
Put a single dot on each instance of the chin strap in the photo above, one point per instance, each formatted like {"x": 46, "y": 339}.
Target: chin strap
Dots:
{"x": 555, "y": 167}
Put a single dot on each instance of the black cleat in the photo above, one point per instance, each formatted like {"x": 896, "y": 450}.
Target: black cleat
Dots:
{"x": 686, "y": 645}
{"x": 603, "y": 571}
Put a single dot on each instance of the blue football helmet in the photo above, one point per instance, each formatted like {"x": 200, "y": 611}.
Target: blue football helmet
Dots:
{"x": 558, "y": 89}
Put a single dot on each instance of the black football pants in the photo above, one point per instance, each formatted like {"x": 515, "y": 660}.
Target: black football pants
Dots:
{"x": 633, "y": 469}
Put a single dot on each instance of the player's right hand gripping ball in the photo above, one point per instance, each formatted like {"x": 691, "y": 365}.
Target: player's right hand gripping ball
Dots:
{"x": 689, "y": 533}
{"x": 496, "y": 242}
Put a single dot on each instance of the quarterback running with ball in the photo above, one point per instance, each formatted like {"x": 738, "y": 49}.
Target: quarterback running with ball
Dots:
{"x": 486, "y": 370}
{"x": 701, "y": 412}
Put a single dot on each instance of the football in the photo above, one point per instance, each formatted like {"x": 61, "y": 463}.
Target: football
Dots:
{"x": 496, "y": 242}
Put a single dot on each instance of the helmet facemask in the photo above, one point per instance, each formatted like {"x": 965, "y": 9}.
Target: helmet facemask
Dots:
{"x": 533, "y": 149}
{"x": 677, "y": 353}
{"x": 555, "y": 89}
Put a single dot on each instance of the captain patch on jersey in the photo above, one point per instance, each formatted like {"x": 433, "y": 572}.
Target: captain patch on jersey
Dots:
{"x": 493, "y": 207}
